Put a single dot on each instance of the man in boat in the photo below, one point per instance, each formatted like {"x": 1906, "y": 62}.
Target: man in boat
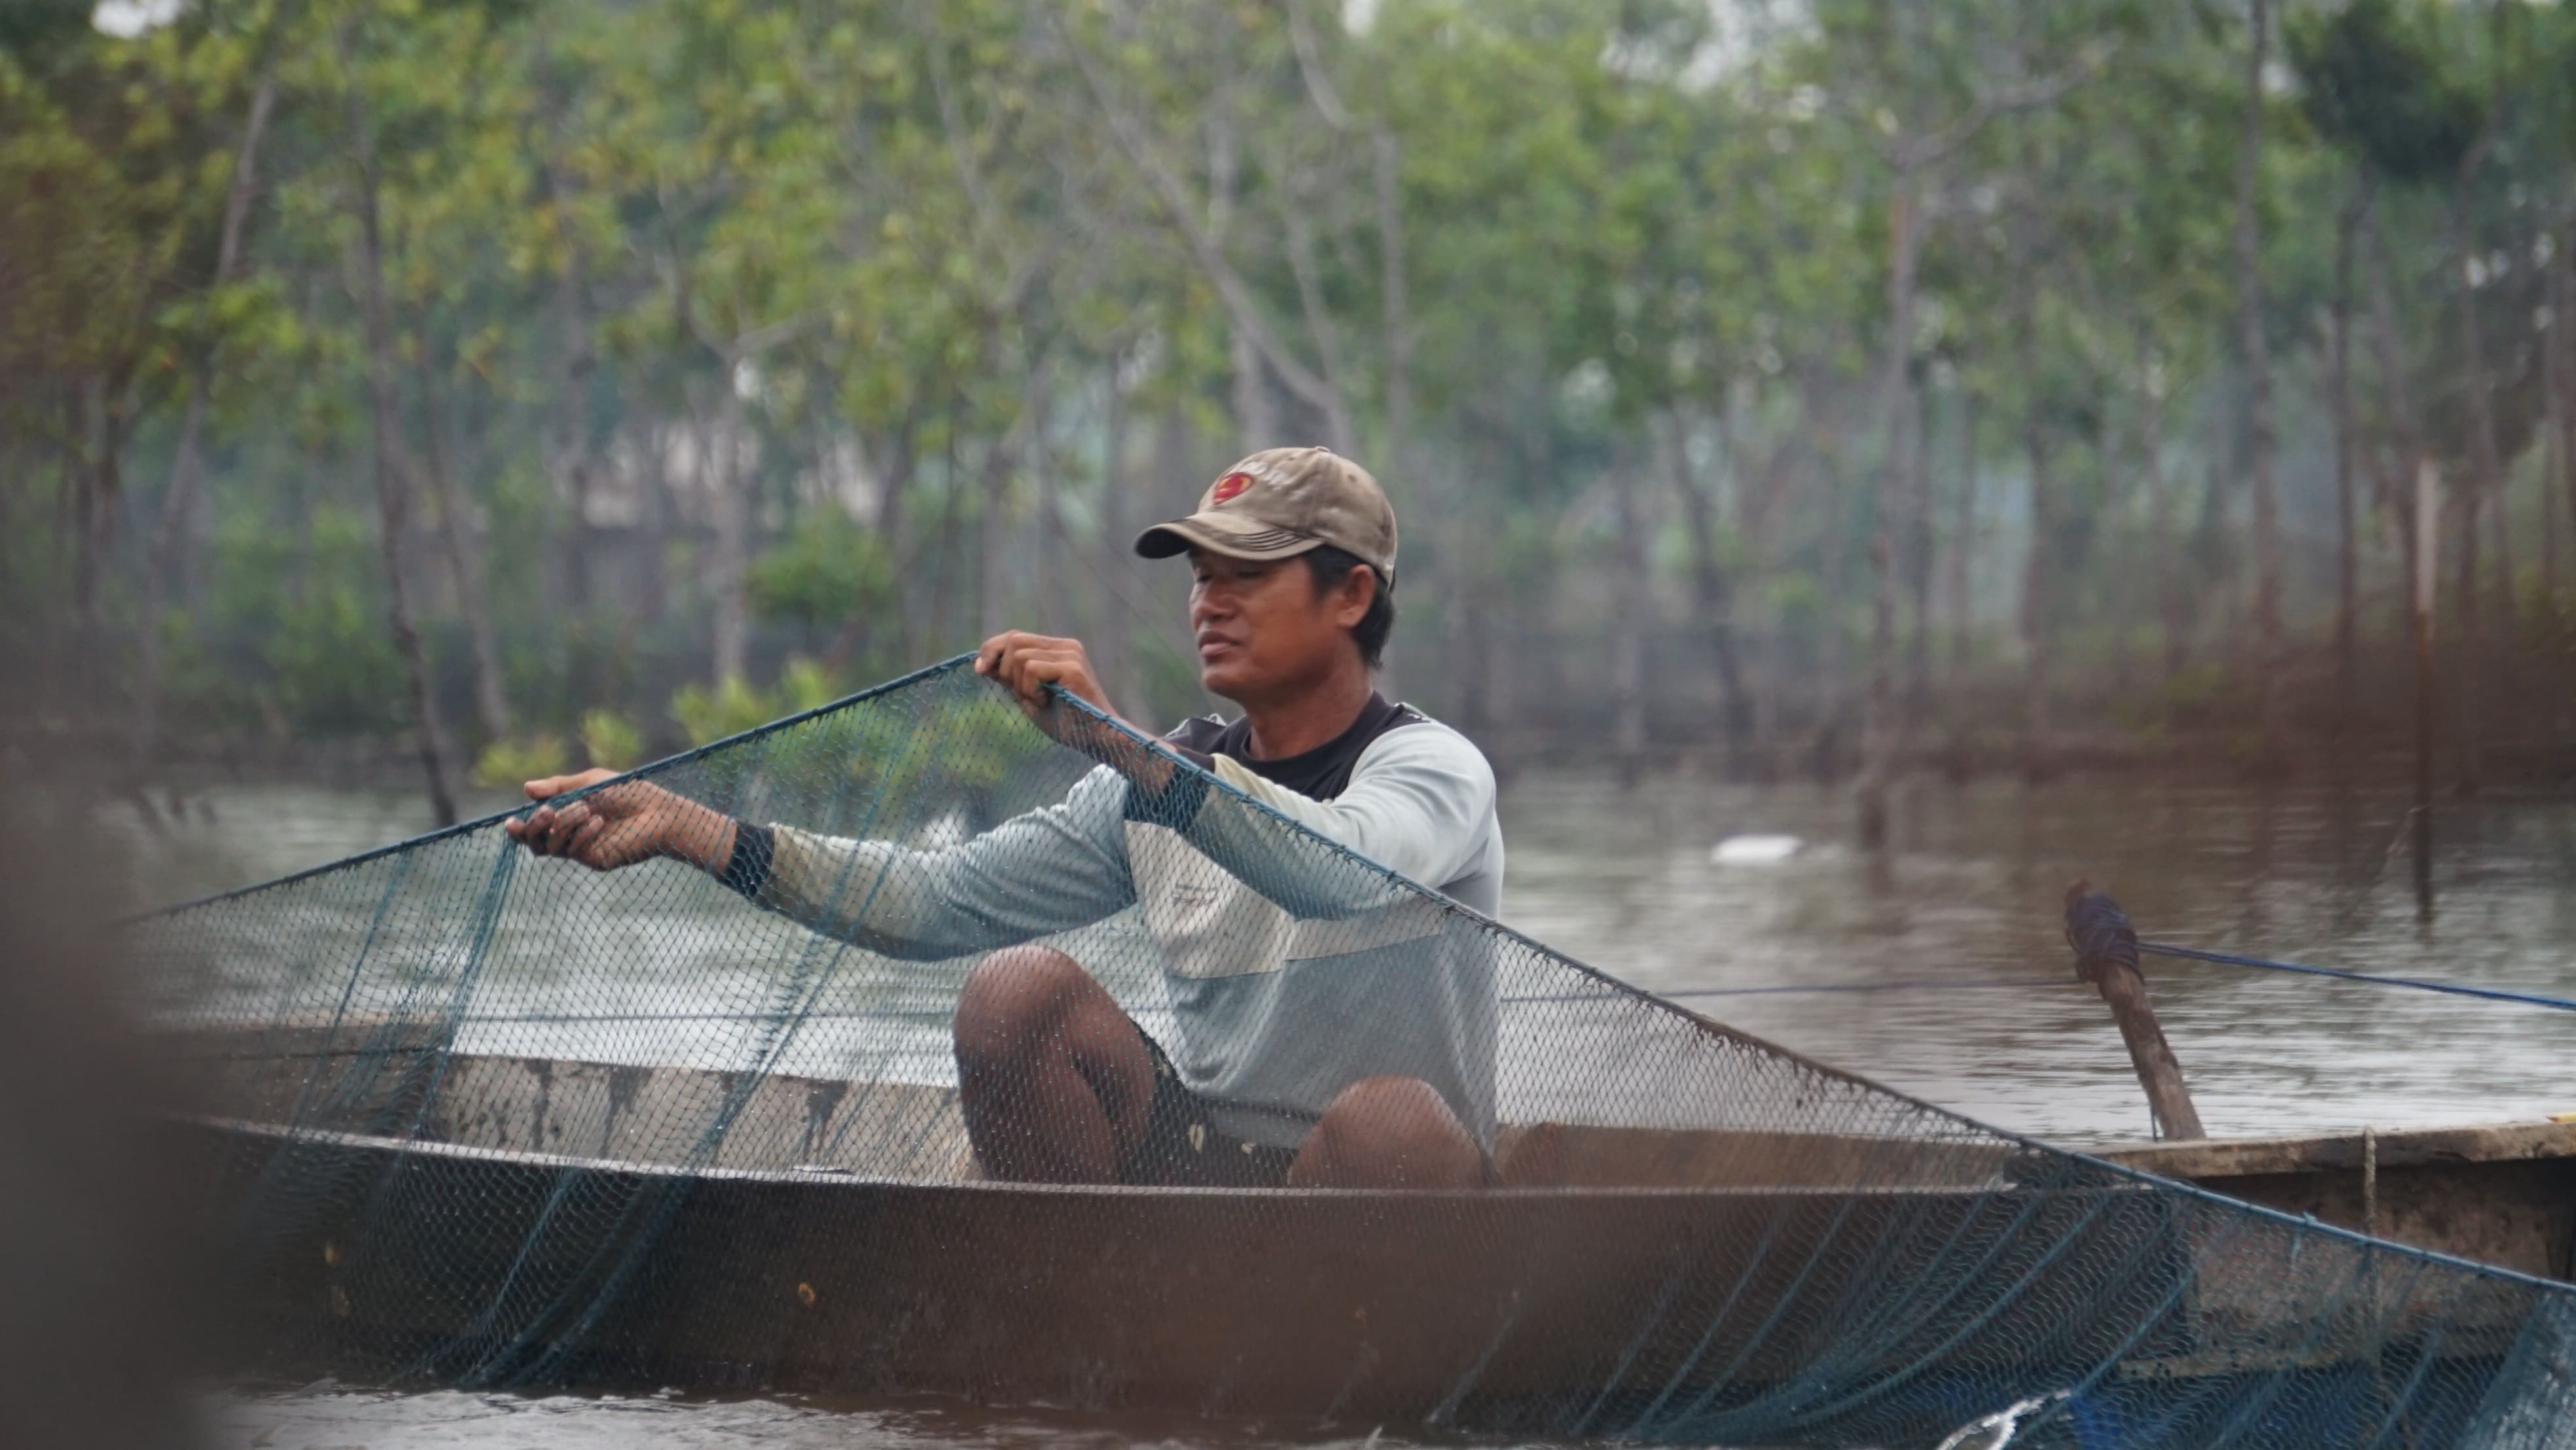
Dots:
{"x": 1328, "y": 1032}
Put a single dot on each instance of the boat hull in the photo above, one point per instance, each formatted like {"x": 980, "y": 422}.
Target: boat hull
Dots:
{"x": 1607, "y": 1309}
{"x": 441, "y": 1218}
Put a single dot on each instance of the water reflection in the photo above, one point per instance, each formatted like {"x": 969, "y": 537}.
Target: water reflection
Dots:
{"x": 328, "y": 1417}
{"x": 1970, "y": 899}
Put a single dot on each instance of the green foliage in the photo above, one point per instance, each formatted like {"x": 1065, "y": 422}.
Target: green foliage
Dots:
{"x": 504, "y": 764}
{"x": 730, "y": 708}
{"x": 806, "y": 685}
{"x": 678, "y": 289}
{"x": 292, "y": 635}
{"x": 828, "y": 570}
{"x": 2377, "y": 80}
{"x": 2193, "y": 693}
{"x": 736, "y": 706}
{"x": 966, "y": 744}
{"x": 611, "y": 741}
{"x": 38, "y": 30}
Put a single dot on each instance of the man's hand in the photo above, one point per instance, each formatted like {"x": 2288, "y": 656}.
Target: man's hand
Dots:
{"x": 1027, "y": 663}
{"x": 622, "y": 825}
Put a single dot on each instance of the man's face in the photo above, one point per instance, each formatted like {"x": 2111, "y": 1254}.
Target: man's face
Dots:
{"x": 1262, "y": 627}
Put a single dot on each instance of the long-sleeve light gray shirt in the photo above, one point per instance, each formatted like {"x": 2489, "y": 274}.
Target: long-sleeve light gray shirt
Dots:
{"x": 1292, "y": 970}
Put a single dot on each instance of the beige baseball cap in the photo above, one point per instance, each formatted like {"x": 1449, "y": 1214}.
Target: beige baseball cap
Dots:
{"x": 1281, "y": 502}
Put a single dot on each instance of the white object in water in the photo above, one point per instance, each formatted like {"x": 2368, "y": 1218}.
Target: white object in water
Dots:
{"x": 1753, "y": 850}
{"x": 1996, "y": 1431}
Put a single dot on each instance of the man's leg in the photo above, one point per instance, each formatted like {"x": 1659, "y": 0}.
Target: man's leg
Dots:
{"x": 1389, "y": 1132}
{"x": 1053, "y": 1079}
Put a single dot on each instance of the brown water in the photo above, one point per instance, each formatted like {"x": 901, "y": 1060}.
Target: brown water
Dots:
{"x": 1954, "y": 934}
{"x": 1970, "y": 900}
{"x": 330, "y": 1417}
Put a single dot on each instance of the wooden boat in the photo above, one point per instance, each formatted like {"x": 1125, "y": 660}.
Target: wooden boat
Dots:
{"x": 1618, "y": 1280}
{"x": 2501, "y": 1194}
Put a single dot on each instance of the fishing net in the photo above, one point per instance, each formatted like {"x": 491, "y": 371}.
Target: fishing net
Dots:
{"x": 473, "y": 1117}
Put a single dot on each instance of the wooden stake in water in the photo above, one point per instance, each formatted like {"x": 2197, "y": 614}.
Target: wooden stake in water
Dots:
{"x": 2428, "y": 554}
{"x": 2109, "y": 960}
{"x": 2370, "y": 1180}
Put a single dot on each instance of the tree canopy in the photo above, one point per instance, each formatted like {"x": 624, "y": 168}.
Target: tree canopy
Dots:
{"x": 1821, "y": 384}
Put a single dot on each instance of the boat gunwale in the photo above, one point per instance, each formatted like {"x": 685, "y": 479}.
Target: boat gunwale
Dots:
{"x": 821, "y": 1175}
{"x": 2446, "y": 1145}
{"x": 2113, "y": 1164}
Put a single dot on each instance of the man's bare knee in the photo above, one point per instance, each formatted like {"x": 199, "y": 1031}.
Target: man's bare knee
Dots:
{"x": 1053, "y": 1079}
{"x": 1389, "y": 1132}
{"x": 1014, "y": 999}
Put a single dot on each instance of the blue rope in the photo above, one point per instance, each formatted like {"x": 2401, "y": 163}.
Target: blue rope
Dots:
{"x": 2495, "y": 994}
{"x": 2162, "y": 949}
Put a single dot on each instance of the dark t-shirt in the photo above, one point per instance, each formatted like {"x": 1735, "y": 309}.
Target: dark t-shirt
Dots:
{"x": 1318, "y": 774}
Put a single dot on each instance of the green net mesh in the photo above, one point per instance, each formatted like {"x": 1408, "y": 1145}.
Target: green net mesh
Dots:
{"x": 473, "y": 1117}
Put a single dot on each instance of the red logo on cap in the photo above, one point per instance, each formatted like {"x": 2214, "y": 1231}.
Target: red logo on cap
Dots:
{"x": 1229, "y": 486}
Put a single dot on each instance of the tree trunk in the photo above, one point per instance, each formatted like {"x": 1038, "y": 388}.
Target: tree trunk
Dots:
{"x": 1831, "y": 708}
{"x": 1113, "y": 644}
{"x": 2508, "y": 576}
{"x": 661, "y": 516}
{"x": 2258, "y": 398}
{"x": 1397, "y": 321}
{"x": 2561, "y": 344}
{"x": 2339, "y": 382}
{"x": 1918, "y": 566}
{"x": 992, "y": 574}
{"x": 1056, "y": 613}
{"x": 860, "y": 627}
{"x": 947, "y": 557}
{"x": 729, "y": 560}
{"x": 1633, "y": 608}
{"x": 2484, "y": 484}
{"x": 2394, "y": 402}
{"x": 1963, "y": 544}
{"x": 393, "y": 504}
{"x": 1499, "y": 691}
{"x": 1896, "y": 452}
{"x": 1340, "y": 434}
{"x": 97, "y": 507}
{"x": 187, "y": 463}
{"x": 2038, "y": 571}
{"x": 2468, "y": 674}
{"x": 1172, "y": 487}
{"x": 2500, "y": 523}
{"x": 2038, "y": 635}
{"x": 571, "y": 426}
{"x": 2172, "y": 610}
{"x": 1763, "y": 644}
{"x": 1256, "y": 410}
{"x": 491, "y": 699}
{"x": 2553, "y": 455}
{"x": 1713, "y": 598}
{"x": 2561, "y": 416}
{"x": 67, "y": 485}
{"x": 2037, "y": 615}
{"x": 889, "y": 525}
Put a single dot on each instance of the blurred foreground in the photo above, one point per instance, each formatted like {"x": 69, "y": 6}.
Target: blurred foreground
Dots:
{"x": 99, "y": 1289}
